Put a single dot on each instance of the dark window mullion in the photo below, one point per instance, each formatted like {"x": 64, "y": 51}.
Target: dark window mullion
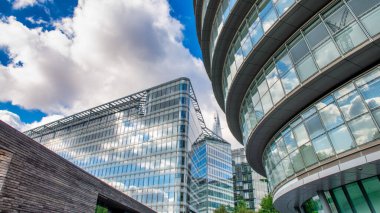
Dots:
{"x": 335, "y": 201}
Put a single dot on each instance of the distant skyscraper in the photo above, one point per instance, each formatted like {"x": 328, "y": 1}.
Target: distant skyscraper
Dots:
{"x": 248, "y": 184}
{"x": 140, "y": 144}
{"x": 213, "y": 171}
{"x": 216, "y": 128}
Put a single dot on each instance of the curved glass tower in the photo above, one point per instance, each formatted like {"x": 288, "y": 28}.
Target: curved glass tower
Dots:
{"x": 299, "y": 83}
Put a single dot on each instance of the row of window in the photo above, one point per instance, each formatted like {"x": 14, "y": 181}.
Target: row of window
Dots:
{"x": 221, "y": 15}
{"x": 345, "y": 119}
{"x": 167, "y": 90}
{"x": 258, "y": 21}
{"x": 334, "y": 33}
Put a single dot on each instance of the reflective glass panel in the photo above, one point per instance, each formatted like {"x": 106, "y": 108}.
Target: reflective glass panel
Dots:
{"x": 287, "y": 167}
{"x": 314, "y": 126}
{"x": 297, "y": 161}
{"x": 267, "y": 102}
{"x": 317, "y": 34}
{"x": 323, "y": 147}
{"x": 331, "y": 116}
{"x": 376, "y": 114}
{"x": 306, "y": 68}
{"x": 272, "y": 76}
{"x": 289, "y": 141}
{"x": 290, "y": 81}
{"x": 341, "y": 200}
{"x": 301, "y": 135}
{"x": 357, "y": 198}
{"x": 299, "y": 50}
{"x": 326, "y": 53}
{"x": 351, "y": 105}
{"x": 372, "y": 188}
{"x": 364, "y": 130}
{"x": 283, "y": 64}
{"x": 371, "y": 94}
{"x": 341, "y": 139}
{"x": 283, "y": 5}
{"x": 362, "y": 6}
{"x": 339, "y": 19}
{"x": 268, "y": 15}
{"x": 308, "y": 154}
{"x": 277, "y": 92}
{"x": 371, "y": 21}
{"x": 350, "y": 37}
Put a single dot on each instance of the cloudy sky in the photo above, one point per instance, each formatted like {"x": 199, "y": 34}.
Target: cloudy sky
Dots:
{"x": 61, "y": 57}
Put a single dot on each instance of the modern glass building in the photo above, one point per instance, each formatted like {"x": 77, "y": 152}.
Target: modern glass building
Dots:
{"x": 248, "y": 184}
{"x": 139, "y": 144}
{"x": 298, "y": 81}
{"x": 213, "y": 170}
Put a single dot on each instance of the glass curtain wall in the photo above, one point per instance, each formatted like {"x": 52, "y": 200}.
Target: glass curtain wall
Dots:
{"x": 343, "y": 120}
{"x": 144, "y": 153}
{"x": 330, "y": 36}
{"x": 213, "y": 170}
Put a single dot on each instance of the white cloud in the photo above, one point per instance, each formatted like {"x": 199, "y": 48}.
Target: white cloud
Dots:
{"x": 107, "y": 50}
{"x": 20, "y": 4}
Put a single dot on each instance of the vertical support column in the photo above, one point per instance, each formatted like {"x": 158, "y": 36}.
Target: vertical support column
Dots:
{"x": 325, "y": 204}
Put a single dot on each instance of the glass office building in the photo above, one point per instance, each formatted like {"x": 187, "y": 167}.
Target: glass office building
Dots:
{"x": 298, "y": 82}
{"x": 213, "y": 170}
{"x": 139, "y": 144}
{"x": 248, "y": 184}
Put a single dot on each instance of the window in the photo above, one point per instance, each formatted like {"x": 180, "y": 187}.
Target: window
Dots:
{"x": 372, "y": 188}
{"x": 287, "y": 167}
{"x": 267, "y": 14}
{"x": 290, "y": 81}
{"x": 308, "y": 154}
{"x": 299, "y": 50}
{"x": 326, "y": 53}
{"x": 301, "y": 135}
{"x": 341, "y": 139}
{"x": 317, "y": 33}
{"x": 364, "y": 130}
{"x": 289, "y": 141}
{"x": 314, "y": 126}
{"x": 370, "y": 92}
{"x": 284, "y": 64}
{"x": 341, "y": 200}
{"x": 283, "y": 5}
{"x": 297, "y": 161}
{"x": 368, "y": 12}
{"x": 277, "y": 92}
{"x": 323, "y": 147}
{"x": 357, "y": 198}
{"x": 306, "y": 68}
{"x": 331, "y": 116}
{"x": 351, "y": 105}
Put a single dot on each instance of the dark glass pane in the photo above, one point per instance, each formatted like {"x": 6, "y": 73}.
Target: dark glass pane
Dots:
{"x": 361, "y": 6}
{"x": 341, "y": 200}
{"x": 357, "y": 198}
{"x": 317, "y": 34}
{"x": 299, "y": 50}
{"x": 372, "y": 188}
{"x": 314, "y": 126}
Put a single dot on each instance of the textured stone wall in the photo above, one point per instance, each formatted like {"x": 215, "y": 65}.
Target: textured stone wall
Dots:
{"x": 35, "y": 179}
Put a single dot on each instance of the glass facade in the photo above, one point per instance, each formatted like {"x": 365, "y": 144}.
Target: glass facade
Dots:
{"x": 332, "y": 35}
{"x": 139, "y": 144}
{"x": 343, "y": 120}
{"x": 362, "y": 196}
{"x": 222, "y": 13}
{"x": 248, "y": 184}
{"x": 213, "y": 172}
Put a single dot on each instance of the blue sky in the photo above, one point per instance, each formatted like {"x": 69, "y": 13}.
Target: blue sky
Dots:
{"x": 60, "y": 57}
{"x": 54, "y": 10}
